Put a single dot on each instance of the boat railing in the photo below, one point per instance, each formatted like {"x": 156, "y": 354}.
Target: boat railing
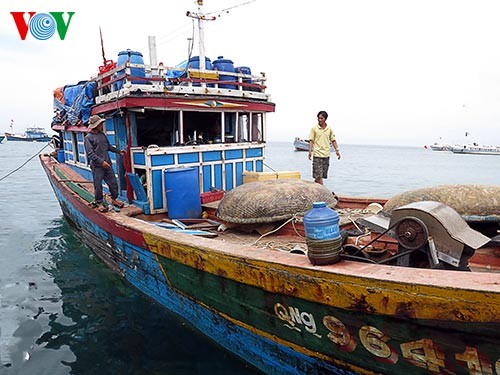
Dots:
{"x": 120, "y": 82}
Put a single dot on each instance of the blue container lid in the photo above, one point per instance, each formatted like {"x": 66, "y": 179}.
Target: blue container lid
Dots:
{"x": 319, "y": 204}
{"x": 129, "y": 51}
{"x": 221, "y": 59}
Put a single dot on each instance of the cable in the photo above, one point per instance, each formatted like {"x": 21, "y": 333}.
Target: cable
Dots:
{"x": 26, "y": 162}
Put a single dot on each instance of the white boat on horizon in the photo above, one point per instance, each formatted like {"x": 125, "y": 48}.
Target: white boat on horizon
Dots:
{"x": 474, "y": 148}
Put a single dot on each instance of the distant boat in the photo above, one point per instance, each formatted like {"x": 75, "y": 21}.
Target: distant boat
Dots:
{"x": 2, "y": 137}
{"x": 303, "y": 144}
{"x": 474, "y": 148}
{"x": 440, "y": 147}
{"x": 31, "y": 135}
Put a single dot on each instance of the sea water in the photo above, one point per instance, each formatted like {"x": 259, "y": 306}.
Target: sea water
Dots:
{"x": 64, "y": 312}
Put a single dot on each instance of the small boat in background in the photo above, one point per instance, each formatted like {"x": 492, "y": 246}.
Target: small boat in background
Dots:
{"x": 301, "y": 144}
{"x": 2, "y": 137}
{"x": 31, "y": 135}
{"x": 440, "y": 147}
{"x": 476, "y": 149}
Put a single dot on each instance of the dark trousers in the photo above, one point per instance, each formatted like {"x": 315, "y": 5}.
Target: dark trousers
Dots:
{"x": 106, "y": 174}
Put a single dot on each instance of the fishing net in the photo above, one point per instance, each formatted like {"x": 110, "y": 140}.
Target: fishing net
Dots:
{"x": 271, "y": 200}
{"x": 467, "y": 200}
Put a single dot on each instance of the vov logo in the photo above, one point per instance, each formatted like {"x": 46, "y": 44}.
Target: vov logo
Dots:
{"x": 42, "y": 26}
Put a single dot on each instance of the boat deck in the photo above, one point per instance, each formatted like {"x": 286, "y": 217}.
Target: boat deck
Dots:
{"x": 286, "y": 237}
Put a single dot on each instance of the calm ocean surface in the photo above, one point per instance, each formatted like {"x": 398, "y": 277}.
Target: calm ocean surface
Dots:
{"x": 63, "y": 312}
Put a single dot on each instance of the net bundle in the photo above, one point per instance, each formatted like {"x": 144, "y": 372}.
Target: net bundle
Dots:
{"x": 269, "y": 201}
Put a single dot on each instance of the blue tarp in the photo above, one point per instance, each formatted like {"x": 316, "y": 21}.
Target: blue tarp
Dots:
{"x": 78, "y": 101}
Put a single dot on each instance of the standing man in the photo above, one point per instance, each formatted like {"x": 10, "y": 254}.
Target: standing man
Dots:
{"x": 97, "y": 147}
{"x": 320, "y": 138}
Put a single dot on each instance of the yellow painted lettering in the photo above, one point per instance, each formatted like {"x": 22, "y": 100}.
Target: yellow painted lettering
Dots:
{"x": 339, "y": 334}
{"x": 474, "y": 364}
{"x": 374, "y": 341}
{"x": 422, "y": 353}
{"x": 282, "y": 313}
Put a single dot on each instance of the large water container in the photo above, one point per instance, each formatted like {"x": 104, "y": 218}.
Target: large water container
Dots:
{"x": 225, "y": 65}
{"x": 194, "y": 63}
{"x": 247, "y": 71}
{"x": 183, "y": 193}
{"x": 60, "y": 155}
{"x": 133, "y": 57}
{"x": 323, "y": 238}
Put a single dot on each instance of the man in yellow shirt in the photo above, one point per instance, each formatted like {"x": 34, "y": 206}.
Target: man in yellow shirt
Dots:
{"x": 320, "y": 138}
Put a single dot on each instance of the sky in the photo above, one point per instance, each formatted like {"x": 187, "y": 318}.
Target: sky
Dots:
{"x": 387, "y": 72}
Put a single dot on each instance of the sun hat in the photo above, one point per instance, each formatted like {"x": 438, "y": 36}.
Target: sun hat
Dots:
{"x": 94, "y": 121}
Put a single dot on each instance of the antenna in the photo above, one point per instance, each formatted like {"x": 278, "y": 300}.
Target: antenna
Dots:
{"x": 102, "y": 47}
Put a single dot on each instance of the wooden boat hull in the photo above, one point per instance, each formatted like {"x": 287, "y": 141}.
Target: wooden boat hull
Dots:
{"x": 284, "y": 315}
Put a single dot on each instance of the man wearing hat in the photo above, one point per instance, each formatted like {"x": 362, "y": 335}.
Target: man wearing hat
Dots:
{"x": 97, "y": 147}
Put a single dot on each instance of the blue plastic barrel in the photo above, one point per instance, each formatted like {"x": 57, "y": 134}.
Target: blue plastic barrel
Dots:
{"x": 194, "y": 63}
{"x": 60, "y": 156}
{"x": 225, "y": 65}
{"x": 321, "y": 222}
{"x": 183, "y": 193}
{"x": 244, "y": 70}
{"x": 133, "y": 57}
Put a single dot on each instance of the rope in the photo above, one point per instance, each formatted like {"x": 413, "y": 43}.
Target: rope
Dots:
{"x": 26, "y": 162}
{"x": 275, "y": 230}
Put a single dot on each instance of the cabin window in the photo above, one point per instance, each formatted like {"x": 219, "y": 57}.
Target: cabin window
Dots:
{"x": 157, "y": 128}
{"x": 201, "y": 127}
{"x": 74, "y": 144}
{"x": 230, "y": 127}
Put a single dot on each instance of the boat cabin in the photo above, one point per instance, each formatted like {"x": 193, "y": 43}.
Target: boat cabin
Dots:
{"x": 201, "y": 119}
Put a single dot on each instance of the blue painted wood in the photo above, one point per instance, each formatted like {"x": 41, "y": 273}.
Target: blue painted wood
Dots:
{"x": 211, "y": 156}
{"x": 139, "y": 158}
{"x": 191, "y": 157}
{"x": 218, "y": 176}
{"x": 249, "y": 166}
{"x": 254, "y": 152}
{"x": 158, "y": 160}
{"x": 135, "y": 181}
{"x": 207, "y": 181}
{"x": 239, "y": 174}
{"x": 233, "y": 154}
{"x": 157, "y": 186}
{"x": 229, "y": 176}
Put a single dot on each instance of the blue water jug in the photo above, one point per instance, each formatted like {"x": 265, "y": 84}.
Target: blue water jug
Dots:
{"x": 225, "y": 65}
{"x": 134, "y": 57}
{"x": 321, "y": 222}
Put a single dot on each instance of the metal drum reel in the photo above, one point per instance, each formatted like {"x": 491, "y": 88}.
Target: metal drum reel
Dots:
{"x": 411, "y": 233}
{"x": 441, "y": 236}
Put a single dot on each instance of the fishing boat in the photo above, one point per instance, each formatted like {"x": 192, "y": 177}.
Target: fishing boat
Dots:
{"x": 303, "y": 144}
{"x": 412, "y": 289}
{"x": 476, "y": 149}
{"x": 30, "y": 135}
